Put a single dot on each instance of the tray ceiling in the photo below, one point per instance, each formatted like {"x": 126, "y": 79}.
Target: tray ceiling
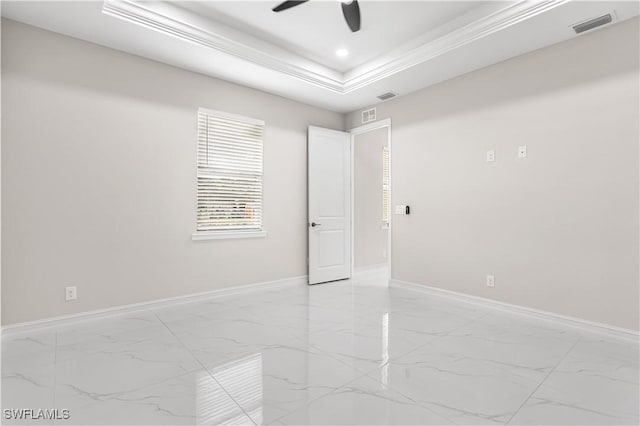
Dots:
{"x": 402, "y": 46}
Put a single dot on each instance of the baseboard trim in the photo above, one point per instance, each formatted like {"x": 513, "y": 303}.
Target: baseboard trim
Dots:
{"x": 521, "y": 310}
{"x": 64, "y": 320}
{"x": 370, "y": 269}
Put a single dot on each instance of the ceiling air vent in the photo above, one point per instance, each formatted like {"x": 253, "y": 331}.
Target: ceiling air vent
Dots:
{"x": 387, "y": 96}
{"x": 593, "y": 23}
{"x": 368, "y": 115}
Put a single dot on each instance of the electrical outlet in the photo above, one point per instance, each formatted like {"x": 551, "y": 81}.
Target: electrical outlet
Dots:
{"x": 491, "y": 156}
{"x": 491, "y": 281}
{"x": 522, "y": 151}
{"x": 70, "y": 293}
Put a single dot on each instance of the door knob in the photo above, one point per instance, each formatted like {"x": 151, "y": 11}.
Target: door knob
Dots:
{"x": 313, "y": 224}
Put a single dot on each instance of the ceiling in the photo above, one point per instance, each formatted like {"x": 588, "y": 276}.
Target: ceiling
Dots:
{"x": 316, "y": 29}
{"x": 402, "y": 46}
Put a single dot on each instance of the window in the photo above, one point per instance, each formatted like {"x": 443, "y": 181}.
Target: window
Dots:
{"x": 385, "y": 186}
{"x": 229, "y": 175}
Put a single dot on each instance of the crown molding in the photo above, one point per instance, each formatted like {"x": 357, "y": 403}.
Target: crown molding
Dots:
{"x": 478, "y": 29}
{"x": 161, "y": 21}
{"x": 173, "y": 21}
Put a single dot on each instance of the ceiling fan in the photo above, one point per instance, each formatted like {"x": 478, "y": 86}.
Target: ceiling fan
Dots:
{"x": 350, "y": 10}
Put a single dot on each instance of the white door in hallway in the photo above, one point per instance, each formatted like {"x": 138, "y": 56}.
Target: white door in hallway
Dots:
{"x": 329, "y": 165}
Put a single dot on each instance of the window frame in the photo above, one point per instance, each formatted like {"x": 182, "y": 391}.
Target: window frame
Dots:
{"x": 386, "y": 184}
{"x": 228, "y": 233}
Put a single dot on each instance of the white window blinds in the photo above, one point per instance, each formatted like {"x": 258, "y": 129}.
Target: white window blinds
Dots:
{"x": 385, "y": 185}
{"x": 229, "y": 172}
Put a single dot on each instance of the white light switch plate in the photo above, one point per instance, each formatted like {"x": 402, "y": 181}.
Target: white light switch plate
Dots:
{"x": 491, "y": 156}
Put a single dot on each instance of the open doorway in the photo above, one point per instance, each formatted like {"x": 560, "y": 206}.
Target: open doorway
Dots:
{"x": 371, "y": 189}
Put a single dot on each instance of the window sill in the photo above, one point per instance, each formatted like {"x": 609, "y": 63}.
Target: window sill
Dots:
{"x": 227, "y": 235}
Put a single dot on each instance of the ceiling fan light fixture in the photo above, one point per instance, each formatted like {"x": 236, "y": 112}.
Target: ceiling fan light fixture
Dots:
{"x": 350, "y": 10}
{"x": 341, "y": 53}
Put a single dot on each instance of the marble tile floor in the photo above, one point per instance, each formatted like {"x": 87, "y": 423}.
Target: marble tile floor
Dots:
{"x": 349, "y": 352}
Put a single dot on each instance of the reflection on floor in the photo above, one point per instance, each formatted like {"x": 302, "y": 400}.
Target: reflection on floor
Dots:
{"x": 351, "y": 352}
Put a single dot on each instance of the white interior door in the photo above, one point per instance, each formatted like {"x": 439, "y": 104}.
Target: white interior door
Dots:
{"x": 329, "y": 162}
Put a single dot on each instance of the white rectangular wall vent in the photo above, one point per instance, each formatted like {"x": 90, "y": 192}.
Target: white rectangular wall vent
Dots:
{"x": 387, "y": 96}
{"x": 368, "y": 115}
{"x": 593, "y": 23}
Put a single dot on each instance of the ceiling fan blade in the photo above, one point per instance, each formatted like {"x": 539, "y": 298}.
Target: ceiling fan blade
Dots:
{"x": 288, "y": 5}
{"x": 351, "y": 12}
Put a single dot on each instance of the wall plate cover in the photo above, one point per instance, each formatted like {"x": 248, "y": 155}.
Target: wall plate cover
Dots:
{"x": 491, "y": 281}
{"x": 522, "y": 151}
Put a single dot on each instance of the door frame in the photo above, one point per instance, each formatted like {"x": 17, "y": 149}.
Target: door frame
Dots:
{"x": 358, "y": 131}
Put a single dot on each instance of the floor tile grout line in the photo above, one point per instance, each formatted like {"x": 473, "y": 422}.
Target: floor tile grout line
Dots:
{"x": 206, "y": 369}
{"x": 437, "y": 337}
{"x": 137, "y": 389}
{"x": 419, "y": 347}
{"x": 411, "y": 399}
{"x": 440, "y": 336}
{"x": 362, "y": 375}
{"x": 329, "y": 355}
{"x": 301, "y": 337}
{"x": 368, "y": 373}
{"x": 448, "y": 333}
{"x": 141, "y": 388}
{"x": 367, "y": 376}
{"x": 544, "y": 380}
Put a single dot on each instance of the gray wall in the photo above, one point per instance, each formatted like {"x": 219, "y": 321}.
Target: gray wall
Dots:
{"x": 559, "y": 229}
{"x": 98, "y": 172}
{"x": 98, "y": 179}
{"x": 370, "y": 240}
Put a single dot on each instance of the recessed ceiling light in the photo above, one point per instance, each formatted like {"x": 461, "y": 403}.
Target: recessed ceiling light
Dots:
{"x": 342, "y": 53}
